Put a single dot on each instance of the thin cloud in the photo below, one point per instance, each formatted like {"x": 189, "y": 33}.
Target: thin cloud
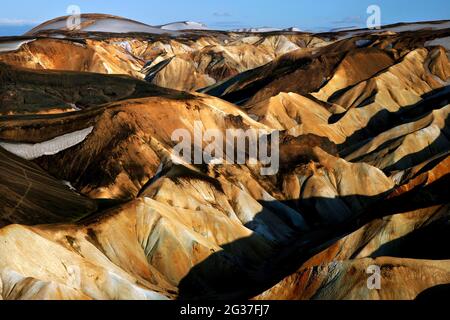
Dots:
{"x": 349, "y": 20}
{"x": 227, "y": 25}
{"x": 222, "y": 14}
{"x": 16, "y": 22}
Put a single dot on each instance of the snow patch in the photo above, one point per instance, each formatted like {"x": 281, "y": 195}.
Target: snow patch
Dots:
{"x": 75, "y": 107}
{"x": 293, "y": 29}
{"x": 186, "y": 25}
{"x": 121, "y": 26}
{"x": 420, "y": 26}
{"x": 125, "y": 45}
{"x": 13, "y": 45}
{"x": 69, "y": 185}
{"x": 398, "y": 29}
{"x": 257, "y": 30}
{"x": 51, "y": 147}
{"x": 266, "y": 29}
{"x": 103, "y": 24}
{"x": 160, "y": 169}
{"x": 444, "y": 42}
{"x": 60, "y": 24}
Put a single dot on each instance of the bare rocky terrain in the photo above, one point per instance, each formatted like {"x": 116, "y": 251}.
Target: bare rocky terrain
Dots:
{"x": 94, "y": 206}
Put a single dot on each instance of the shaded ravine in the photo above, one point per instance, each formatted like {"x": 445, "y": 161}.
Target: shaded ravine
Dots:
{"x": 385, "y": 120}
{"x": 247, "y": 280}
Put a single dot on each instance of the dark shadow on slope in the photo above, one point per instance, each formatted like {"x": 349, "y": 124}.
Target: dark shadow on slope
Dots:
{"x": 29, "y": 195}
{"x": 289, "y": 73}
{"x": 439, "y": 146}
{"x": 151, "y": 73}
{"x": 436, "y": 193}
{"x": 242, "y": 95}
{"x": 437, "y": 293}
{"x": 218, "y": 89}
{"x": 384, "y": 148}
{"x": 246, "y": 274}
{"x": 385, "y": 120}
{"x": 33, "y": 91}
{"x": 430, "y": 243}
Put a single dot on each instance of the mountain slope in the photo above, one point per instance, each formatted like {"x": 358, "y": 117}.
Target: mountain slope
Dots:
{"x": 95, "y": 205}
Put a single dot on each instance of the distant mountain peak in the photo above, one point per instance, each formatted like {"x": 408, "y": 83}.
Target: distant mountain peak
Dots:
{"x": 184, "y": 25}
{"x": 93, "y": 22}
{"x": 267, "y": 29}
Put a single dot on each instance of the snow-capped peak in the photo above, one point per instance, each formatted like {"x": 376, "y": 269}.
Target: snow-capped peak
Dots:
{"x": 184, "y": 25}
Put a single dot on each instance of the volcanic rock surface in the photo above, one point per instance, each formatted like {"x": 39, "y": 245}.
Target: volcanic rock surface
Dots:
{"x": 93, "y": 204}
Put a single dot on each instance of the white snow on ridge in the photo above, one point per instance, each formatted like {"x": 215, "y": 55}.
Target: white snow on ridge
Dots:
{"x": 126, "y": 45}
{"x": 13, "y": 45}
{"x": 420, "y": 26}
{"x": 256, "y": 30}
{"x": 293, "y": 29}
{"x": 30, "y": 151}
{"x": 444, "y": 42}
{"x": 186, "y": 25}
{"x": 121, "y": 26}
{"x": 398, "y": 29}
{"x": 113, "y": 24}
{"x": 59, "y": 24}
{"x": 342, "y": 29}
{"x": 90, "y": 23}
{"x": 69, "y": 185}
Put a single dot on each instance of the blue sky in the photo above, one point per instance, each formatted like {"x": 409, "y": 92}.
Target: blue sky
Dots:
{"x": 17, "y": 15}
